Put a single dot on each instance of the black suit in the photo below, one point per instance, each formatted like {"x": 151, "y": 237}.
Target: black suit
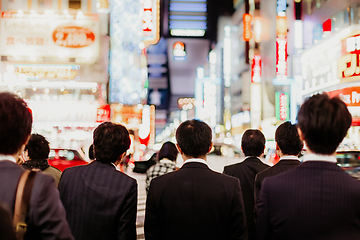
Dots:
{"x": 246, "y": 171}
{"x": 194, "y": 202}
{"x": 46, "y": 215}
{"x": 282, "y": 166}
{"x": 316, "y": 200}
{"x": 100, "y": 202}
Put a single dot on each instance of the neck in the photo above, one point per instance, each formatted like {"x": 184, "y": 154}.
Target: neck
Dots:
{"x": 189, "y": 157}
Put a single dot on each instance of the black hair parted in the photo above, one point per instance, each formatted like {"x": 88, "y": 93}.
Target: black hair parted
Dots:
{"x": 288, "y": 140}
{"x": 111, "y": 140}
{"x": 15, "y": 123}
{"x": 253, "y": 142}
{"x": 169, "y": 151}
{"x": 194, "y": 138}
{"x": 324, "y": 123}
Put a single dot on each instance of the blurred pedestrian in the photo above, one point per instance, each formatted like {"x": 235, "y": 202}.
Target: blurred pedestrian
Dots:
{"x": 36, "y": 153}
{"x": 46, "y": 215}
{"x": 101, "y": 201}
{"x": 166, "y": 163}
{"x": 316, "y": 200}
{"x": 194, "y": 202}
{"x": 253, "y": 145}
{"x": 288, "y": 147}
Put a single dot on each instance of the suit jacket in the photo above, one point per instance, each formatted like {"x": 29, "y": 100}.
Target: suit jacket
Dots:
{"x": 194, "y": 202}
{"x": 282, "y": 166}
{"x": 100, "y": 202}
{"x": 246, "y": 171}
{"x": 6, "y": 226}
{"x": 316, "y": 200}
{"x": 46, "y": 215}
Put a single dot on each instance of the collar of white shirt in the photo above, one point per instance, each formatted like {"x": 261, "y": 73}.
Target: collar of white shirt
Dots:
{"x": 165, "y": 160}
{"x": 319, "y": 157}
{"x": 198, "y": 160}
{"x": 289, "y": 157}
{"x": 7, "y": 157}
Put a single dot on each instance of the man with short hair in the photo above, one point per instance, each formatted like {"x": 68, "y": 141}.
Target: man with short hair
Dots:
{"x": 316, "y": 200}
{"x": 101, "y": 201}
{"x": 46, "y": 215}
{"x": 253, "y": 145}
{"x": 194, "y": 202}
{"x": 36, "y": 153}
{"x": 288, "y": 148}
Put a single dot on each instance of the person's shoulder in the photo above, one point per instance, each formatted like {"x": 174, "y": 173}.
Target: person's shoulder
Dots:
{"x": 234, "y": 165}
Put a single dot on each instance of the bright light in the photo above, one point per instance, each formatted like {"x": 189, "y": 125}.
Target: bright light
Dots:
{"x": 227, "y": 56}
{"x": 187, "y": 32}
{"x": 200, "y": 72}
{"x": 298, "y": 34}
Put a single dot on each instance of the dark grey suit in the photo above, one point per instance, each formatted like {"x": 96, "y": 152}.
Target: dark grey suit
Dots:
{"x": 316, "y": 200}
{"x": 46, "y": 216}
{"x": 194, "y": 202}
{"x": 282, "y": 166}
{"x": 100, "y": 202}
{"x": 246, "y": 171}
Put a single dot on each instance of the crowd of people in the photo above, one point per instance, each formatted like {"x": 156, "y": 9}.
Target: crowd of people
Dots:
{"x": 308, "y": 199}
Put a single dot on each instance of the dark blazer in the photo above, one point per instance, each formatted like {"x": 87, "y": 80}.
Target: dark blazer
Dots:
{"x": 46, "y": 216}
{"x": 100, "y": 202}
{"x": 194, "y": 203}
{"x": 246, "y": 171}
{"x": 316, "y": 200}
{"x": 282, "y": 166}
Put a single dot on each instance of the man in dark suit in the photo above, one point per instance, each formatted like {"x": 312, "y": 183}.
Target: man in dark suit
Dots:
{"x": 253, "y": 145}
{"x": 316, "y": 200}
{"x": 101, "y": 201}
{"x": 288, "y": 147}
{"x": 46, "y": 214}
{"x": 194, "y": 202}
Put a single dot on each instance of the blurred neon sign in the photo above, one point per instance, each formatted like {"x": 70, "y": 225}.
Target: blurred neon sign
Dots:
{"x": 282, "y": 106}
{"x": 151, "y": 21}
{"x": 247, "y": 34}
{"x": 281, "y": 57}
{"x": 256, "y": 69}
{"x": 348, "y": 64}
{"x": 73, "y": 36}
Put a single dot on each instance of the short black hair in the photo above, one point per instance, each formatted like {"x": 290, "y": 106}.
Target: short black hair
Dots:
{"x": 253, "y": 142}
{"x": 110, "y": 141}
{"x": 15, "y": 123}
{"x": 324, "y": 122}
{"x": 37, "y": 147}
{"x": 91, "y": 152}
{"x": 288, "y": 140}
{"x": 169, "y": 151}
{"x": 194, "y": 138}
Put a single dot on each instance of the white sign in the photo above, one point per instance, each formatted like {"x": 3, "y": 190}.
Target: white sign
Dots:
{"x": 44, "y": 35}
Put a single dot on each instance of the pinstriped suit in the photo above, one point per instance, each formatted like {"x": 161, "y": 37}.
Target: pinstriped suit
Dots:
{"x": 100, "y": 202}
{"x": 316, "y": 200}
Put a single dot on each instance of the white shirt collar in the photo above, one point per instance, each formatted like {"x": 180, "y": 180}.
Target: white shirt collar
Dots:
{"x": 165, "y": 160}
{"x": 289, "y": 157}
{"x": 198, "y": 160}
{"x": 7, "y": 157}
{"x": 319, "y": 157}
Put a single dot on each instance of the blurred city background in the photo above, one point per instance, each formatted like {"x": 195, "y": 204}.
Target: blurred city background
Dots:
{"x": 151, "y": 64}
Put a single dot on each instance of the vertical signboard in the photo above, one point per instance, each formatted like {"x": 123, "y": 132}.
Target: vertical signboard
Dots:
{"x": 256, "y": 69}
{"x": 349, "y": 64}
{"x": 281, "y": 57}
{"x": 151, "y": 21}
{"x": 282, "y": 106}
{"x": 247, "y": 34}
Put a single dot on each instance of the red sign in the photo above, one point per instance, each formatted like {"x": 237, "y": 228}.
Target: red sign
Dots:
{"x": 281, "y": 57}
{"x": 256, "y": 69}
{"x": 73, "y": 36}
{"x": 350, "y": 96}
{"x": 247, "y": 34}
{"x": 103, "y": 113}
{"x": 348, "y": 64}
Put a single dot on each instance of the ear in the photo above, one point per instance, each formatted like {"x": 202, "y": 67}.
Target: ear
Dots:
{"x": 211, "y": 146}
{"x": 178, "y": 148}
{"x": 301, "y": 135}
{"x": 277, "y": 146}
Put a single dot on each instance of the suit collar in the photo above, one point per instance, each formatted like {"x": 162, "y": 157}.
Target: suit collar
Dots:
{"x": 252, "y": 158}
{"x": 194, "y": 165}
{"x": 285, "y": 161}
{"x": 319, "y": 164}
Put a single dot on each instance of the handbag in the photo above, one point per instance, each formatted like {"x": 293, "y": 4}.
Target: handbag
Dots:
{"x": 22, "y": 200}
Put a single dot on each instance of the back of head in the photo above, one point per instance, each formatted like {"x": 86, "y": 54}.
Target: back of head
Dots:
{"x": 288, "y": 140}
{"x": 194, "y": 138}
{"x": 15, "y": 123}
{"x": 110, "y": 141}
{"x": 169, "y": 151}
{"x": 324, "y": 123}
{"x": 91, "y": 152}
{"x": 253, "y": 142}
{"x": 37, "y": 147}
